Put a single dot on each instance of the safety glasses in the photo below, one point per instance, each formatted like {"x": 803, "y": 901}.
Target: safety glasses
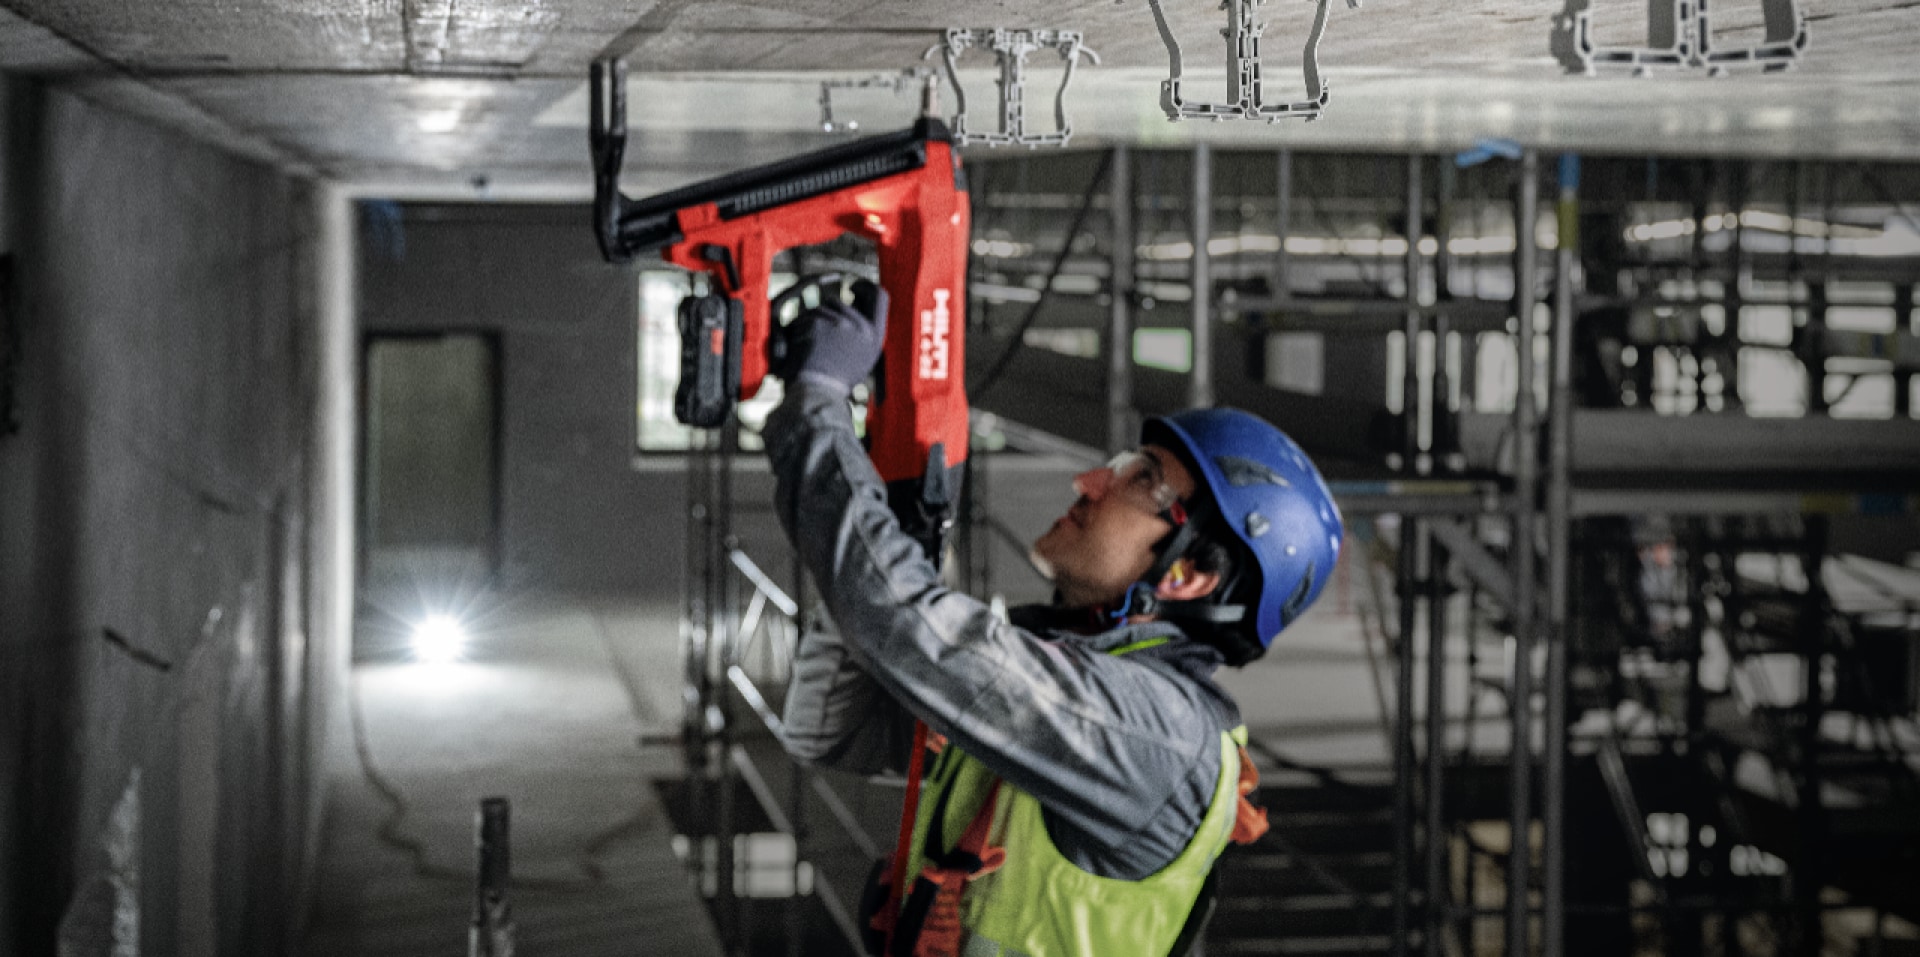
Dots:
{"x": 1134, "y": 474}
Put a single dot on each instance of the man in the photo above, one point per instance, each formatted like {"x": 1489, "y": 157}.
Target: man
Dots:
{"x": 1091, "y": 769}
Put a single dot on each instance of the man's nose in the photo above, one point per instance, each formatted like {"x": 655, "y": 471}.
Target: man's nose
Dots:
{"x": 1093, "y": 483}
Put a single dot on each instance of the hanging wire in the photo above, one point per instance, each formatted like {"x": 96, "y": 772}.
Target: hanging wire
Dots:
{"x": 1014, "y": 346}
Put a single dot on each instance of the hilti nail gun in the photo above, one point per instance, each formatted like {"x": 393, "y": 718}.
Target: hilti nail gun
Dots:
{"x": 905, "y": 192}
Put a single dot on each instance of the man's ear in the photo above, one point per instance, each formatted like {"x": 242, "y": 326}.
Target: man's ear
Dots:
{"x": 1183, "y": 583}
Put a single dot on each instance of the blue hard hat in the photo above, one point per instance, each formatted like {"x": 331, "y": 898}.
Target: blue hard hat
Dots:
{"x": 1273, "y": 501}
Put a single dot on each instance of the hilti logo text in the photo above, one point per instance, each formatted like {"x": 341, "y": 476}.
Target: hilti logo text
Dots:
{"x": 935, "y": 326}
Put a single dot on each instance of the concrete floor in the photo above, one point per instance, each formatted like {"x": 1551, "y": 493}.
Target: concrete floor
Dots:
{"x": 550, "y": 710}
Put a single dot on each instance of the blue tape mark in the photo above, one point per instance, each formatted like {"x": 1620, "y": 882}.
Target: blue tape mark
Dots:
{"x": 1486, "y": 149}
{"x": 1570, "y": 172}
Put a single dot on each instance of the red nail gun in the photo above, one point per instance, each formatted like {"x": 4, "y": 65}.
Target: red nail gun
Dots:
{"x": 904, "y": 192}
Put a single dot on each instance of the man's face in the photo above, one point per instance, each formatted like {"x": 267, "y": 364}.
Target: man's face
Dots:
{"x": 1104, "y": 542}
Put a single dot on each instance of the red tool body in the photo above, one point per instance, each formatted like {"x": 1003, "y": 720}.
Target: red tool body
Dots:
{"x": 919, "y": 222}
{"x": 904, "y": 192}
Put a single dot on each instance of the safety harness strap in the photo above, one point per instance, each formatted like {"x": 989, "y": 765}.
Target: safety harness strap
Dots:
{"x": 885, "y": 917}
{"x": 928, "y": 923}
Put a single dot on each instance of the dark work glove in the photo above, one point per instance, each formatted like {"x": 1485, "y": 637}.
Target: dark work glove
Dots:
{"x": 836, "y": 343}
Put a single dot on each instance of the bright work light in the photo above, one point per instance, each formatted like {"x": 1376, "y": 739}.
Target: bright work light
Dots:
{"x": 439, "y": 639}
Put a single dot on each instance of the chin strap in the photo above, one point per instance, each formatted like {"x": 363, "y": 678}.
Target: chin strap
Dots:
{"x": 1141, "y": 600}
{"x": 1141, "y": 597}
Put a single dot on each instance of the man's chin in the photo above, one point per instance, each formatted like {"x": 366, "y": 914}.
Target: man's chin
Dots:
{"x": 1040, "y": 563}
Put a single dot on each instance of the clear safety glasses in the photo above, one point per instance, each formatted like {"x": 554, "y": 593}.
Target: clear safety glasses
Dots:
{"x": 1135, "y": 474}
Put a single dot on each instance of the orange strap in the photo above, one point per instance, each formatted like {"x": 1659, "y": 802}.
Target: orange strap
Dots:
{"x": 1249, "y": 821}
{"x": 939, "y": 933}
{"x": 909, "y": 812}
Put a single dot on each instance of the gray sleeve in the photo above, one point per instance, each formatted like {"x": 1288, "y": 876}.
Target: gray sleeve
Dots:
{"x": 1120, "y": 752}
{"x": 836, "y": 715}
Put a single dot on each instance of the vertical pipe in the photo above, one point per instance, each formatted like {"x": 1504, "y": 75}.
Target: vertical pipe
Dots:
{"x": 1813, "y": 347}
{"x": 724, "y": 613}
{"x": 334, "y": 461}
{"x": 1406, "y": 591}
{"x": 1443, "y": 447}
{"x": 1736, "y": 290}
{"x": 1200, "y": 395}
{"x": 1443, "y": 232}
{"x": 1468, "y": 924}
{"x": 1903, "y": 319}
{"x": 1435, "y": 897}
{"x": 1808, "y": 871}
{"x": 1410, "y": 393}
{"x": 706, "y": 811}
{"x": 982, "y": 479}
{"x": 966, "y": 525}
{"x": 1283, "y": 225}
{"x": 699, "y": 635}
{"x": 1408, "y": 587}
{"x": 796, "y": 910}
{"x": 1469, "y": 341}
{"x": 1692, "y": 935}
{"x": 1559, "y": 560}
{"x": 1526, "y": 449}
{"x": 1121, "y": 431}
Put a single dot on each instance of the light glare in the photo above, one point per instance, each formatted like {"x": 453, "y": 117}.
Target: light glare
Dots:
{"x": 439, "y": 640}
{"x": 439, "y": 121}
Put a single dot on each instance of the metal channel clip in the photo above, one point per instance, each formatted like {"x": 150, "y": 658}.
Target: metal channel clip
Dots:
{"x": 1011, "y": 48}
{"x": 1680, "y": 37}
{"x": 1246, "y": 96}
{"x": 910, "y": 78}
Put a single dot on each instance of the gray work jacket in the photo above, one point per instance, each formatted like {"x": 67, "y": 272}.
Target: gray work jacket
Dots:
{"x": 1122, "y": 752}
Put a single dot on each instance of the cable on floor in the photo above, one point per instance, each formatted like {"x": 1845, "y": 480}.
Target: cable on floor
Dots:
{"x": 415, "y": 851}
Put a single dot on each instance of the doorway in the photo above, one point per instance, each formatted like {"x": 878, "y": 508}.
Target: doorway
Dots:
{"x": 430, "y": 495}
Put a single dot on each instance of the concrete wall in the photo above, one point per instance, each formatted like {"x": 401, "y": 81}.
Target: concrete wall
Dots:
{"x": 574, "y": 514}
{"x": 157, "y": 660}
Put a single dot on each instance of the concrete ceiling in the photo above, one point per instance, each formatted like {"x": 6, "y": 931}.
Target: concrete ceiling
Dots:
{"x": 420, "y": 97}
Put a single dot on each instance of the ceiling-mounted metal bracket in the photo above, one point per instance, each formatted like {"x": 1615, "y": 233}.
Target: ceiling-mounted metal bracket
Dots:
{"x": 1246, "y": 97}
{"x": 911, "y": 77}
{"x": 1680, "y": 37}
{"x": 1786, "y": 40}
{"x": 1011, "y": 48}
{"x": 607, "y": 142}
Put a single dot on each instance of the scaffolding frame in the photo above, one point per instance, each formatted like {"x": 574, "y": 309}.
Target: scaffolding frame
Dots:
{"x": 1441, "y": 549}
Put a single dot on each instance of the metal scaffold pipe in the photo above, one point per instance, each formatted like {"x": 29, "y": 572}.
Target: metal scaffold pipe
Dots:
{"x": 1526, "y": 481}
{"x": 1408, "y": 578}
{"x": 1283, "y": 224}
{"x": 1559, "y": 559}
{"x": 1201, "y": 385}
{"x": 1121, "y": 430}
{"x": 1439, "y": 448}
{"x": 1436, "y": 895}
